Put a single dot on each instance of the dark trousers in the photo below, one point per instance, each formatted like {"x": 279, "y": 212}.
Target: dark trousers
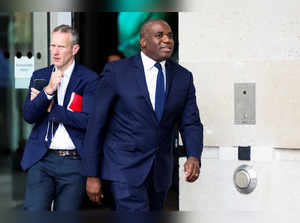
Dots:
{"x": 55, "y": 179}
{"x": 144, "y": 198}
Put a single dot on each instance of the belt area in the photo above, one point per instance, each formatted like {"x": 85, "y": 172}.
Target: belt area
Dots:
{"x": 64, "y": 152}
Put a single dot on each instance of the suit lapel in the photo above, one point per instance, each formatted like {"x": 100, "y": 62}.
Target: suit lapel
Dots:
{"x": 141, "y": 82}
{"x": 169, "y": 77}
{"x": 74, "y": 80}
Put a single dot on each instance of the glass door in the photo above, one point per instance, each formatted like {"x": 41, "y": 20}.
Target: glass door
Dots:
{"x": 23, "y": 48}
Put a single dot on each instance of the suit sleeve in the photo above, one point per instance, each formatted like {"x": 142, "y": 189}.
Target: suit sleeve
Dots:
{"x": 191, "y": 128}
{"x": 78, "y": 120}
{"x": 36, "y": 109}
{"x": 95, "y": 135}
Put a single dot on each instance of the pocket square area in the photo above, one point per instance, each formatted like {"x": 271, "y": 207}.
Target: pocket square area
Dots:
{"x": 75, "y": 103}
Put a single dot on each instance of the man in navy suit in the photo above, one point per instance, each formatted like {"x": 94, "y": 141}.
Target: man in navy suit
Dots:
{"x": 129, "y": 134}
{"x": 59, "y": 113}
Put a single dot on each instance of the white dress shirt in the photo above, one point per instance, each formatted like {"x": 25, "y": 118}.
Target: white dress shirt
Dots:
{"x": 61, "y": 139}
{"x": 151, "y": 75}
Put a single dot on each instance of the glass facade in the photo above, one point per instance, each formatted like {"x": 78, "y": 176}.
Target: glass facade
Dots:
{"x": 15, "y": 41}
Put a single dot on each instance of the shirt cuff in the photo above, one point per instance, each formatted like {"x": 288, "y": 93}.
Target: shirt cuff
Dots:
{"x": 48, "y": 95}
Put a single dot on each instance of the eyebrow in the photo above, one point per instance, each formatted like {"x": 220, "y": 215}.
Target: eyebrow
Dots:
{"x": 53, "y": 44}
{"x": 163, "y": 32}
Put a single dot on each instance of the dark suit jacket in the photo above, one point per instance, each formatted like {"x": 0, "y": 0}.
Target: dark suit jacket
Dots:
{"x": 124, "y": 138}
{"x": 83, "y": 82}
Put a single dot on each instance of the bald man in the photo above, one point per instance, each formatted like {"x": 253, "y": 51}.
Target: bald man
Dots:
{"x": 129, "y": 134}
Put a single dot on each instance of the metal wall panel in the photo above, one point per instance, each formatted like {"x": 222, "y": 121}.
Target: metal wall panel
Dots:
{"x": 244, "y": 104}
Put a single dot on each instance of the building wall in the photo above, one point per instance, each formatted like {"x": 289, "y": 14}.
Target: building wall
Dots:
{"x": 276, "y": 191}
{"x": 227, "y": 42}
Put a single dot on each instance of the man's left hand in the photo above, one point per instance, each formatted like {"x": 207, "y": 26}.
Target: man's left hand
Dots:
{"x": 191, "y": 169}
{"x": 33, "y": 93}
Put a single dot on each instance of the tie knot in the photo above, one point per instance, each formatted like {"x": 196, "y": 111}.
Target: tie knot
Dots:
{"x": 158, "y": 66}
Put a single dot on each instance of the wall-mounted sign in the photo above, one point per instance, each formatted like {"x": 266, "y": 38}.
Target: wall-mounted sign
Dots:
{"x": 24, "y": 68}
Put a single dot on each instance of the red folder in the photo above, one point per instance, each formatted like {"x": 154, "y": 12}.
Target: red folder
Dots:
{"x": 75, "y": 103}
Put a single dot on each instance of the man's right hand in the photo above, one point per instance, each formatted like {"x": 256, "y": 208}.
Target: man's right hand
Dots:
{"x": 93, "y": 189}
{"x": 54, "y": 82}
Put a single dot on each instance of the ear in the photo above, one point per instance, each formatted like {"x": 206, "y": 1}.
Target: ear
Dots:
{"x": 142, "y": 43}
{"x": 75, "y": 49}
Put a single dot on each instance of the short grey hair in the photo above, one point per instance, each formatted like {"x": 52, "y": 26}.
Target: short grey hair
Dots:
{"x": 68, "y": 29}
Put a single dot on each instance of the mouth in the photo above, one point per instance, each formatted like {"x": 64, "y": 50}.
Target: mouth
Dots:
{"x": 166, "y": 49}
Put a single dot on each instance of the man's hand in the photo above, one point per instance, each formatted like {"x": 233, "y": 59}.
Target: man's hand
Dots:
{"x": 33, "y": 93}
{"x": 93, "y": 189}
{"x": 54, "y": 82}
{"x": 191, "y": 169}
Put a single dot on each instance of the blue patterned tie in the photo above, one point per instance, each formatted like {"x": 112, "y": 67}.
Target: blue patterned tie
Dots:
{"x": 159, "y": 93}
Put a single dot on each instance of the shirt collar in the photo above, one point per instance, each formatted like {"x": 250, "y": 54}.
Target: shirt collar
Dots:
{"x": 69, "y": 70}
{"x": 149, "y": 63}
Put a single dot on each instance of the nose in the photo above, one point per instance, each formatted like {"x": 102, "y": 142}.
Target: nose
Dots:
{"x": 55, "y": 50}
{"x": 166, "y": 38}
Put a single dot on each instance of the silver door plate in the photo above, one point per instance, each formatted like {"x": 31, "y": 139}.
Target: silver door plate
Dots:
{"x": 244, "y": 179}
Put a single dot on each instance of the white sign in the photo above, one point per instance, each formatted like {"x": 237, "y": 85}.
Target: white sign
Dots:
{"x": 24, "y": 67}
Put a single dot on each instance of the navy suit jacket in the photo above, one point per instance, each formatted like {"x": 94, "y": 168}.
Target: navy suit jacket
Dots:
{"x": 83, "y": 82}
{"x": 124, "y": 139}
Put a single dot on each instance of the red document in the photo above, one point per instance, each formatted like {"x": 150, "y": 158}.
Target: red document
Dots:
{"x": 75, "y": 103}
